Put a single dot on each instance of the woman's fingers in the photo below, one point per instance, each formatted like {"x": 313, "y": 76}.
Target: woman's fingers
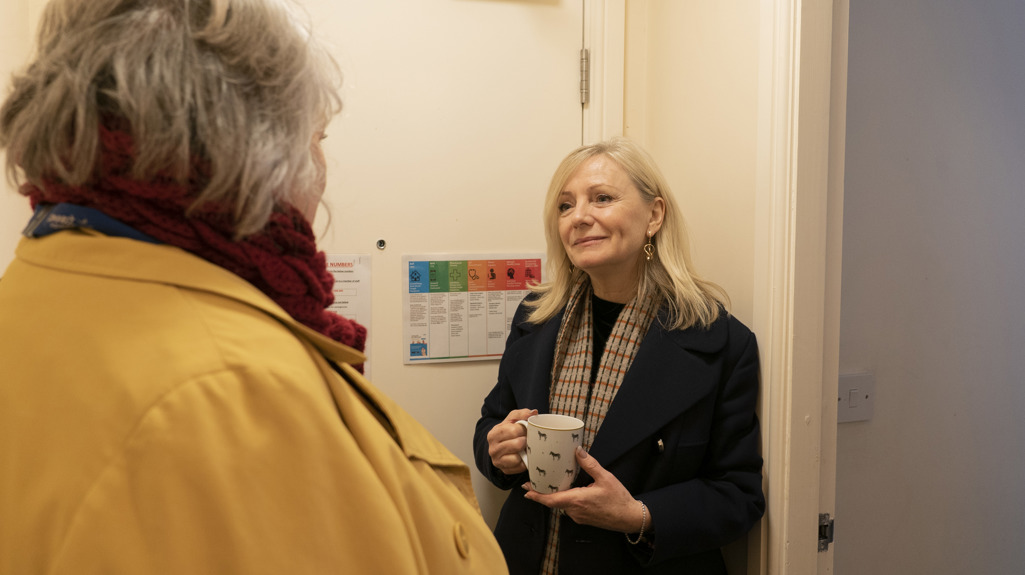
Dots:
{"x": 591, "y": 467}
{"x": 518, "y": 414}
{"x": 506, "y": 440}
{"x": 606, "y": 503}
{"x": 505, "y": 455}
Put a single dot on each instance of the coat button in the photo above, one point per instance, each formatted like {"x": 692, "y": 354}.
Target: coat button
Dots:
{"x": 462, "y": 543}
{"x": 661, "y": 446}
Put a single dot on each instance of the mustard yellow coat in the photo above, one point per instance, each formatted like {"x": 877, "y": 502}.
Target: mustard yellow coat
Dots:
{"x": 160, "y": 415}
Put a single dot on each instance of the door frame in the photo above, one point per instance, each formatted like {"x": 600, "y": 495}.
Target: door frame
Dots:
{"x": 604, "y": 36}
{"x": 800, "y": 210}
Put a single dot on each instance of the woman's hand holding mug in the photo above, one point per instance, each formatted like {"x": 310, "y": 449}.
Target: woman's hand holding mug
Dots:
{"x": 506, "y": 440}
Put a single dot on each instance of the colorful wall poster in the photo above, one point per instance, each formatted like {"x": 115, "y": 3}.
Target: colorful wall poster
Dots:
{"x": 460, "y": 307}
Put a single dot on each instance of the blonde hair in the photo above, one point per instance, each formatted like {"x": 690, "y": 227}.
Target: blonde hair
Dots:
{"x": 689, "y": 299}
{"x": 238, "y": 84}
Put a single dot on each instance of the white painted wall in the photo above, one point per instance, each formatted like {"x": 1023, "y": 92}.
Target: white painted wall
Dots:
{"x": 933, "y": 280}
{"x": 17, "y": 23}
{"x": 453, "y": 122}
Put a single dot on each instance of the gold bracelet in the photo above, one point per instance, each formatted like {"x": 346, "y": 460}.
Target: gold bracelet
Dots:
{"x": 644, "y": 521}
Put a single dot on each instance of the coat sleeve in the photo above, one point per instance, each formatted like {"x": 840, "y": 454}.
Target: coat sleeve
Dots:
{"x": 725, "y": 498}
{"x": 497, "y": 405}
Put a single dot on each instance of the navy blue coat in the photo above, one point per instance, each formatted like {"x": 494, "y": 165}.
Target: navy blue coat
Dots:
{"x": 682, "y": 435}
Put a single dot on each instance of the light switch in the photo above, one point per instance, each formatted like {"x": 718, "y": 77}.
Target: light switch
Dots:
{"x": 856, "y": 397}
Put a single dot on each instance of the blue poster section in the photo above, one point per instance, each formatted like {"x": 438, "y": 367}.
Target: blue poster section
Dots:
{"x": 419, "y": 275}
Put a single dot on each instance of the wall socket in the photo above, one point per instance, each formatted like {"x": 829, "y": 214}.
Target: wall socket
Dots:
{"x": 856, "y": 401}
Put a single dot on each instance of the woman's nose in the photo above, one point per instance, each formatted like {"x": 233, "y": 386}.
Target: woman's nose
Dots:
{"x": 581, "y": 214}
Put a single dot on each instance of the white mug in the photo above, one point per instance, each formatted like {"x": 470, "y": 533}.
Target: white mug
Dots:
{"x": 550, "y": 455}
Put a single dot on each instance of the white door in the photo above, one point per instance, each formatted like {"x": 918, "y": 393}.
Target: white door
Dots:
{"x": 456, "y": 113}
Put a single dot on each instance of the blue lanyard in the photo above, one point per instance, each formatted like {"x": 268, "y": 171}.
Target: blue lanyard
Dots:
{"x": 50, "y": 218}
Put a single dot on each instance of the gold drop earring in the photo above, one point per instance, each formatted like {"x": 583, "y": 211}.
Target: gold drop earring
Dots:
{"x": 649, "y": 249}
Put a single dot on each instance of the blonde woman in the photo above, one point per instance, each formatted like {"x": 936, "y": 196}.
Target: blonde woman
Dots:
{"x": 626, "y": 337}
{"x": 174, "y": 396}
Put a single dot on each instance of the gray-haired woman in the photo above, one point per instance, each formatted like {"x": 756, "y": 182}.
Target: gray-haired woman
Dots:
{"x": 175, "y": 398}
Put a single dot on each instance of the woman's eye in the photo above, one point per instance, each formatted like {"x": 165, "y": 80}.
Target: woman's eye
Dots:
{"x": 603, "y": 198}
{"x": 563, "y": 207}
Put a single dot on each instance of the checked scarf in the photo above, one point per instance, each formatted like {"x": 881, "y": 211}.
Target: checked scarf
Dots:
{"x": 572, "y": 392}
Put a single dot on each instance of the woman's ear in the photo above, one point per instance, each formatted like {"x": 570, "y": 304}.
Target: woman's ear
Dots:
{"x": 658, "y": 214}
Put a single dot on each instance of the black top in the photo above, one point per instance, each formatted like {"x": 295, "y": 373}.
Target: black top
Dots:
{"x": 603, "y": 318}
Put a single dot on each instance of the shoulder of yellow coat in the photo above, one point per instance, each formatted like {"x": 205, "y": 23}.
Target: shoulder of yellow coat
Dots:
{"x": 90, "y": 252}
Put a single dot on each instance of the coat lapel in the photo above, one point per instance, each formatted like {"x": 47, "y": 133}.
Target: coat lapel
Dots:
{"x": 668, "y": 376}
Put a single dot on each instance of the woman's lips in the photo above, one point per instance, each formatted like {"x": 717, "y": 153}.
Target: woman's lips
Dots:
{"x": 587, "y": 240}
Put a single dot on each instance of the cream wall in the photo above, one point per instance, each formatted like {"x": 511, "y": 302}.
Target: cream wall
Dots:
{"x": 17, "y": 21}
{"x": 692, "y": 100}
{"x": 933, "y": 278}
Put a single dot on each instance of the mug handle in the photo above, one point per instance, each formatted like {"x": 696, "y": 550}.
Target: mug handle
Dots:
{"x": 523, "y": 454}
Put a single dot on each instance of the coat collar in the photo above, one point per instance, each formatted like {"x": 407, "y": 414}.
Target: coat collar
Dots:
{"x": 663, "y": 381}
{"x": 91, "y": 253}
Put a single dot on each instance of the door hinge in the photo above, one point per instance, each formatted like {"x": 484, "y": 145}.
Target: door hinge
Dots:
{"x": 825, "y": 531}
{"x": 585, "y": 76}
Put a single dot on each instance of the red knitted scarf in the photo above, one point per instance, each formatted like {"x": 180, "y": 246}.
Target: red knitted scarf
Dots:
{"x": 282, "y": 260}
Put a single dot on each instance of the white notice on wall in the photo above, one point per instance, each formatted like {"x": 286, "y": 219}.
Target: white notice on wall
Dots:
{"x": 352, "y": 286}
{"x": 460, "y": 307}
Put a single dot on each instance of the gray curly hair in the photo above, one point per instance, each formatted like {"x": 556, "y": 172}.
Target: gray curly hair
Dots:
{"x": 241, "y": 84}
